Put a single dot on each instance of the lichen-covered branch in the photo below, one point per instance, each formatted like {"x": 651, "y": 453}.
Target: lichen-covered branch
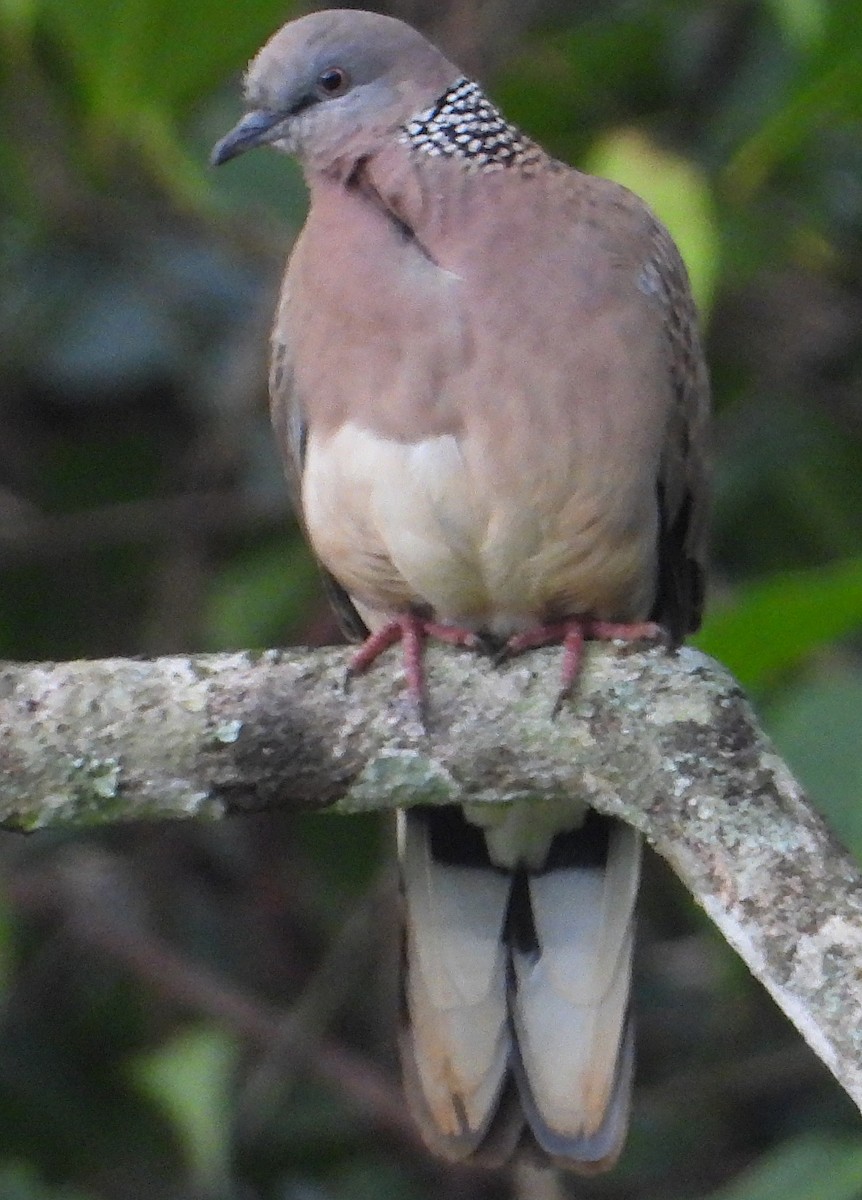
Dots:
{"x": 666, "y": 742}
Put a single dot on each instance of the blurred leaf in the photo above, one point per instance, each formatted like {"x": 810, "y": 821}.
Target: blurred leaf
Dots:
{"x": 829, "y": 99}
{"x": 778, "y": 623}
{"x": 675, "y": 189}
{"x": 17, "y": 16}
{"x": 21, "y": 1182}
{"x": 816, "y": 727}
{"x": 789, "y": 486}
{"x": 140, "y": 65}
{"x": 156, "y": 54}
{"x": 191, "y": 1078}
{"x": 814, "y": 1168}
{"x": 261, "y": 597}
{"x": 803, "y": 22}
{"x": 347, "y": 854}
{"x": 825, "y": 92}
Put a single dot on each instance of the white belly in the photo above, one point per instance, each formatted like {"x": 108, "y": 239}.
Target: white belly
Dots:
{"x": 422, "y": 523}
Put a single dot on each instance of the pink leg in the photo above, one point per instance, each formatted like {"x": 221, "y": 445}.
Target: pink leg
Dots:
{"x": 539, "y": 635}
{"x": 374, "y": 645}
{"x": 573, "y": 653}
{"x": 572, "y": 634}
{"x": 411, "y": 631}
{"x": 636, "y": 631}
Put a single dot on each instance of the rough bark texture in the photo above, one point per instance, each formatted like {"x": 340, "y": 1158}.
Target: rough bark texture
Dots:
{"x": 667, "y": 743}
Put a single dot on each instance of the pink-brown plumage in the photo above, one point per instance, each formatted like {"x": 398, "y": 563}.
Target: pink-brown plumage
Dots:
{"x": 489, "y": 388}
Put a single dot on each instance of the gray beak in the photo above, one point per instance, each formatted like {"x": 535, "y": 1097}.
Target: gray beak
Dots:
{"x": 253, "y": 130}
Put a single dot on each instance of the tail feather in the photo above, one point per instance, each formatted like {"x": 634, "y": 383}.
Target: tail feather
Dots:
{"x": 588, "y": 1154}
{"x": 457, "y": 1048}
{"x": 516, "y": 989}
{"x": 570, "y": 997}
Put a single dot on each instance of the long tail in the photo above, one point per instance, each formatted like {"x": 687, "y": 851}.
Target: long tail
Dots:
{"x": 516, "y": 1031}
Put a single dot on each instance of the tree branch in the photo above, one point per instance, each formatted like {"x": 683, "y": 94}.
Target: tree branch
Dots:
{"x": 667, "y": 743}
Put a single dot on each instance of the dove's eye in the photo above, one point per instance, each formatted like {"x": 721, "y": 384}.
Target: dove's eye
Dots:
{"x": 334, "y": 81}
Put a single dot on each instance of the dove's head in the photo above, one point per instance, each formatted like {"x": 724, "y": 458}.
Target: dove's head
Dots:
{"x": 336, "y": 83}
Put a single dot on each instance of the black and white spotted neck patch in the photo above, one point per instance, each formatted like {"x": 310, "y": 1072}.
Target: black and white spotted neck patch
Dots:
{"x": 464, "y": 124}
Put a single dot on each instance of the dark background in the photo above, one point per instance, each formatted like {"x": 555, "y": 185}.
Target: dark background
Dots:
{"x": 153, "y": 978}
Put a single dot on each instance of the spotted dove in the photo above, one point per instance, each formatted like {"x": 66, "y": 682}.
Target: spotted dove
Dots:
{"x": 489, "y": 389}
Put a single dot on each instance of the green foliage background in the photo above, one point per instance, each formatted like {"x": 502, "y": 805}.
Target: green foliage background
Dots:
{"x": 142, "y": 511}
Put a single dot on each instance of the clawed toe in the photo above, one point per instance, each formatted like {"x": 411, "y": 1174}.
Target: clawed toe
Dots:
{"x": 411, "y": 631}
{"x": 572, "y": 634}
